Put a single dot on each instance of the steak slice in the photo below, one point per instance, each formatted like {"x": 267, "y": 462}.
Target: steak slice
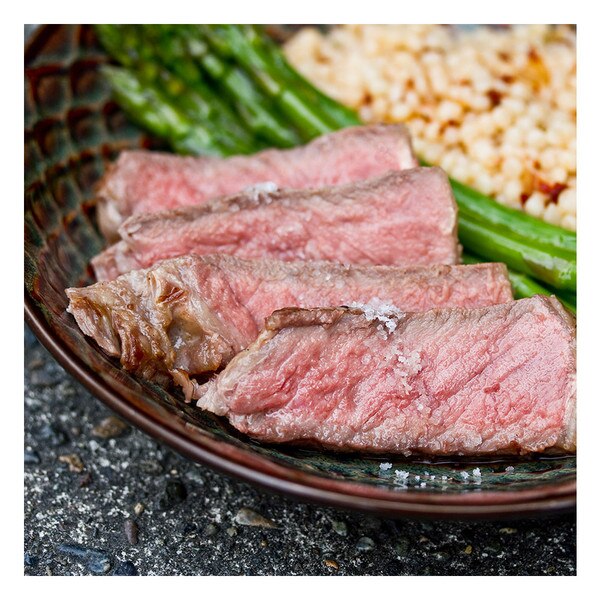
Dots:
{"x": 450, "y": 381}
{"x": 192, "y": 314}
{"x": 401, "y": 218}
{"x": 142, "y": 181}
{"x": 114, "y": 261}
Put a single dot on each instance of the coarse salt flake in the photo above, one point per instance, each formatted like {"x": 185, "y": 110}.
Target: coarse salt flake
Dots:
{"x": 385, "y": 466}
{"x": 258, "y": 190}
{"x": 383, "y": 311}
{"x": 450, "y": 88}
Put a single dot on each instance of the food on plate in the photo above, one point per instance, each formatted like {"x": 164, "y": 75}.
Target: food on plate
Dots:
{"x": 252, "y": 76}
{"x": 495, "y": 108}
{"x": 142, "y": 181}
{"x": 192, "y": 314}
{"x": 400, "y": 218}
{"x": 448, "y": 381}
{"x": 114, "y": 261}
{"x": 240, "y": 76}
{"x": 312, "y": 295}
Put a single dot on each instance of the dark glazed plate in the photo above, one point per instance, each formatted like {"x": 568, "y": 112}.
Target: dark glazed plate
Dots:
{"x": 72, "y": 131}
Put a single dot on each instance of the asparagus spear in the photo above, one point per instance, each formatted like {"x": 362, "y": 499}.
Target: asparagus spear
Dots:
{"x": 110, "y": 38}
{"x": 264, "y": 59}
{"x": 229, "y": 42}
{"x": 126, "y": 44}
{"x": 259, "y": 113}
{"x": 341, "y": 115}
{"x": 525, "y": 287}
{"x": 566, "y": 297}
{"x": 483, "y": 208}
{"x": 160, "y": 42}
{"x": 496, "y": 245}
{"x": 149, "y": 108}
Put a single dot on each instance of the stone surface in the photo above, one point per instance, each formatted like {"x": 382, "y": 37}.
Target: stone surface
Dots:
{"x": 185, "y": 513}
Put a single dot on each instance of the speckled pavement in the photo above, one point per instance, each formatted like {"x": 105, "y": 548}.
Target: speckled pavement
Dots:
{"x": 100, "y": 499}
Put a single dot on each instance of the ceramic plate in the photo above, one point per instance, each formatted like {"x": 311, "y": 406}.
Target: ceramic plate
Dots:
{"x": 72, "y": 131}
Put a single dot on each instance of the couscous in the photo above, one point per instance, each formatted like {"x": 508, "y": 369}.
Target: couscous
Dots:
{"x": 496, "y": 108}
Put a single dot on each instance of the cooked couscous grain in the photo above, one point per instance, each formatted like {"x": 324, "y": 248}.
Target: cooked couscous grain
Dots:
{"x": 496, "y": 108}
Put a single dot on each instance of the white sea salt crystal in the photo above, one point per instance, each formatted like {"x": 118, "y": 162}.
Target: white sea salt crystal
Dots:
{"x": 464, "y": 475}
{"x": 423, "y": 484}
{"x": 263, "y": 186}
{"x": 261, "y": 190}
{"x": 380, "y": 310}
{"x": 417, "y": 477}
{"x": 403, "y": 475}
{"x": 509, "y": 469}
{"x": 385, "y": 466}
{"x": 412, "y": 361}
{"x": 477, "y": 473}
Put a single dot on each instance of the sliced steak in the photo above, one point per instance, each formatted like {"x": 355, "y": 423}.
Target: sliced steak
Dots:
{"x": 142, "y": 181}
{"x": 192, "y": 314}
{"x": 114, "y": 261}
{"x": 401, "y": 218}
{"x": 499, "y": 379}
